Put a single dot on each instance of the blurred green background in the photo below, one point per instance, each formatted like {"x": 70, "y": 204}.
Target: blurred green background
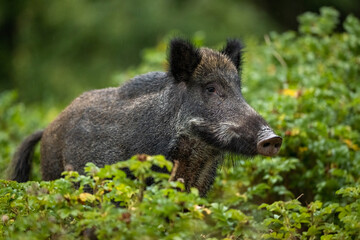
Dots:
{"x": 51, "y": 51}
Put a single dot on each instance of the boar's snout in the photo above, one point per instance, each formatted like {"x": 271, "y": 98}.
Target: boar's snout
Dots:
{"x": 269, "y": 143}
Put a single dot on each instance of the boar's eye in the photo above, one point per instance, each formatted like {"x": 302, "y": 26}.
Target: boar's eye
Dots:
{"x": 211, "y": 89}
{"x": 214, "y": 90}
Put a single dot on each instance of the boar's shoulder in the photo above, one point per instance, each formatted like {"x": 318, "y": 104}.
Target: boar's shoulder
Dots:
{"x": 145, "y": 84}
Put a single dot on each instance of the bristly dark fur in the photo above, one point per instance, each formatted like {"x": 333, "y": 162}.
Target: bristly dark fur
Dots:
{"x": 22, "y": 158}
{"x": 183, "y": 59}
{"x": 233, "y": 50}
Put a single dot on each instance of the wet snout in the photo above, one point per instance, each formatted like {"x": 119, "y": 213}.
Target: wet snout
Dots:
{"x": 269, "y": 143}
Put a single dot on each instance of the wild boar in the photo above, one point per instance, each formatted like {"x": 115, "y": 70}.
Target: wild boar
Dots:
{"x": 193, "y": 113}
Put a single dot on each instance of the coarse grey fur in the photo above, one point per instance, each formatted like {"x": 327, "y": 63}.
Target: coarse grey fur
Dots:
{"x": 193, "y": 113}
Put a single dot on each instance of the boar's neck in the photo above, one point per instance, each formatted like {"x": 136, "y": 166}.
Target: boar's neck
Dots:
{"x": 198, "y": 162}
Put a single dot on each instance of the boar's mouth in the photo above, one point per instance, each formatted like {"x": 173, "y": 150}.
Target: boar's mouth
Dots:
{"x": 228, "y": 137}
{"x": 265, "y": 143}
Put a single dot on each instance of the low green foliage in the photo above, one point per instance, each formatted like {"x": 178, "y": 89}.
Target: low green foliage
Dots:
{"x": 305, "y": 84}
{"x": 107, "y": 204}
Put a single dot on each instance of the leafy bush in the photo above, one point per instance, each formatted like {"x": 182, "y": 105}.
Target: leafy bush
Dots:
{"x": 317, "y": 107}
{"x": 304, "y": 83}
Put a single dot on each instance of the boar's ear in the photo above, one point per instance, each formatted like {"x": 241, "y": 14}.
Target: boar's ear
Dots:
{"x": 183, "y": 59}
{"x": 233, "y": 50}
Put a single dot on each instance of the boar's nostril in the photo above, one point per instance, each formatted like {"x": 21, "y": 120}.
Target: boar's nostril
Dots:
{"x": 269, "y": 146}
{"x": 266, "y": 144}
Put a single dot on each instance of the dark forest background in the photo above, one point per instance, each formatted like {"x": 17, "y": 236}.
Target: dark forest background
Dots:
{"x": 51, "y": 51}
